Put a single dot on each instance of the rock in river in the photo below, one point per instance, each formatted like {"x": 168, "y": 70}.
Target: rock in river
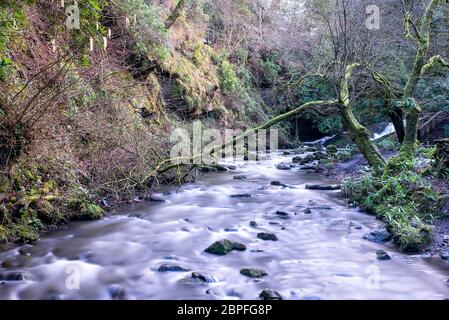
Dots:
{"x": 378, "y": 236}
{"x": 172, "y": 268}
{"x": 382, "y": 255}
{"x": 240, "y": 177}
{"x": 253, "y": 273}
{"x": 243, "y": 195}
{"x": 223, "y": 247}
{"x": 267, "y": 236}
{"x": 281, "y": 213}
{"x": 12, "y": 276}
{"x": 445, "y": 255}
{"x": 253, "y": 224}
{"x": 322, "y": 187}
{"x": 283, "y": 166}
{"x": 269, "y": 294}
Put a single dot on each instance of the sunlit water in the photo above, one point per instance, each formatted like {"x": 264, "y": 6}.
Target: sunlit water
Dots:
{"x": 318, "y": 256}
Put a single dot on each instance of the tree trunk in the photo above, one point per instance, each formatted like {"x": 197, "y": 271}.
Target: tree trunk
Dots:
{"x": 361, "y": 137}
{"x": 397, "y": 119}
{"x": 412, "y": 110}
{"x": 175, "y": 14}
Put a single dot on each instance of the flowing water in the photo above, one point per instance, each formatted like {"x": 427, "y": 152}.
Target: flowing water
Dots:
{"x": 321, "y": 255}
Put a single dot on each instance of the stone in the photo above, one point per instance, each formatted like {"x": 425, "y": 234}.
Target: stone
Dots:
{"x": 267, "y": 236}
{"x": 172, "y": 268}
{"x": 117, "y": 292}
{"x": 154, "y": 199}
{"x": 204, "y": 278}
{"x": 278, "y": 184}
{"x": 382, "y": 255}
{"x": 307, "y": 211}
{"x": 270, "y": 294}
{"x": 445, "y": 255}
{"x": 243, "y": 195}
{"x": 322, "y": 187}
{"x": 240, "y": 177}
{"x": 282, "y": 213}
{"x": 378, "y": 236}
{"x": 25, "y": 250}
{"x": 331, "y": 149}
{"x": 283, "y": 166}
{"x": 253, "y": 273}
{"x": 12, "y": 276}
{"x": 17, "y": 262}
{"x": 297, "y": 159}
{"x": 253, "y": 224}
{"x": 311, "y": 149}
{"x": 223, "y": 247}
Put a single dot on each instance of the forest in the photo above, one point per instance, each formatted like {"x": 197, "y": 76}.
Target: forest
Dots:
{"x": 96, "y": 95}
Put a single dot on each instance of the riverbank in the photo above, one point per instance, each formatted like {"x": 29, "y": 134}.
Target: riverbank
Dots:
{"x": 438, "y": 243}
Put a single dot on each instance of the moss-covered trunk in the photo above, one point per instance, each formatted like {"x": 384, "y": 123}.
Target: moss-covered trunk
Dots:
{"x": 359, "y": 134}
{"x": 410, "y": 107}
{"x": 361, "y": 137}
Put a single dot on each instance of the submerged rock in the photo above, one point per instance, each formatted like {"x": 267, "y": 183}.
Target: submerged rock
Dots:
{"x": 12, "y": 276}
{"x": 240, "y": 177}
{"x": 278, "y": 184}
{"x": 382, "y": 255}
{"x": 253, "y": 273}
{"x": 267, "y": 236}
{"x": 307, "y": 211}
{"x": 253, "y": 224}
{"x": 17, "y": 262}
{"x": 154, "y": 198}
{"x": 378, "y": 236}
{"x": 322, "y": 187}
{"x": 203, "y": 277}
{"x": 197, "y": 279}
{"x": 270, "y": 294}
{"x": 223, "y": 247}
{"x": 283, "y": 166}
{"x": 281, "y": 213}
{"x": 243, "y": 195}
{"x": 117, "y": 292}
{"x": 172, "y": 268}
{"x": 445, "y": 255}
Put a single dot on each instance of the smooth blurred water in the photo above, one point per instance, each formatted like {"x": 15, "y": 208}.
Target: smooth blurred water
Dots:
{"x": 318, "y": 256}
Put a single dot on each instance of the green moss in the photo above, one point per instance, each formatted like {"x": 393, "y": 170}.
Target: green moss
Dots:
{"x": 228, "y": 77}
{"x": 25, "y": 233}
{"x": 91, "y": 210}
{"x": 405, "y": 202}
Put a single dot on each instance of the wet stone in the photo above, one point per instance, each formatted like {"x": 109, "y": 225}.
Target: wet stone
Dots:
{"x": 12, "y": 276}
{"x": 322, "y": 187}
{"x": 270, "y": 294}
{"x": 117, "y": 292}
{"x": 283, "y": 166}
{"x": 307, "y": 211}
{"x": 243, "y": 195}
{"x": 378, "y": 236}
{"x": 17, "y": 262}
{"x": 223, "y": 247}
{"x": 240, "y": 177}
{"x": 253, "y": 224}
{"x": 382, "y": 255}
{"x": 281, "y": 214}
{"x": 445, "y": 255}
{"x": 267, "y": 236}
{"x": 172, "y": 268}
{"x": 203, "y": 277}
{"x": 278, "y": 184}
{"x": 253, "y": 273}
{"x": 25, "y": 250}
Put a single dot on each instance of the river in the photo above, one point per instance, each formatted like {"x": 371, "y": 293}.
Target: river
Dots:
{"x": 318, "y": 255}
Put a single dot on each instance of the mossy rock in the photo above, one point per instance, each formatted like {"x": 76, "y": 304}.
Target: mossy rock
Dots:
{"x": 253, "y": 273}
{"x": 223, "y": 247}
{"x": 331, "y": 149}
